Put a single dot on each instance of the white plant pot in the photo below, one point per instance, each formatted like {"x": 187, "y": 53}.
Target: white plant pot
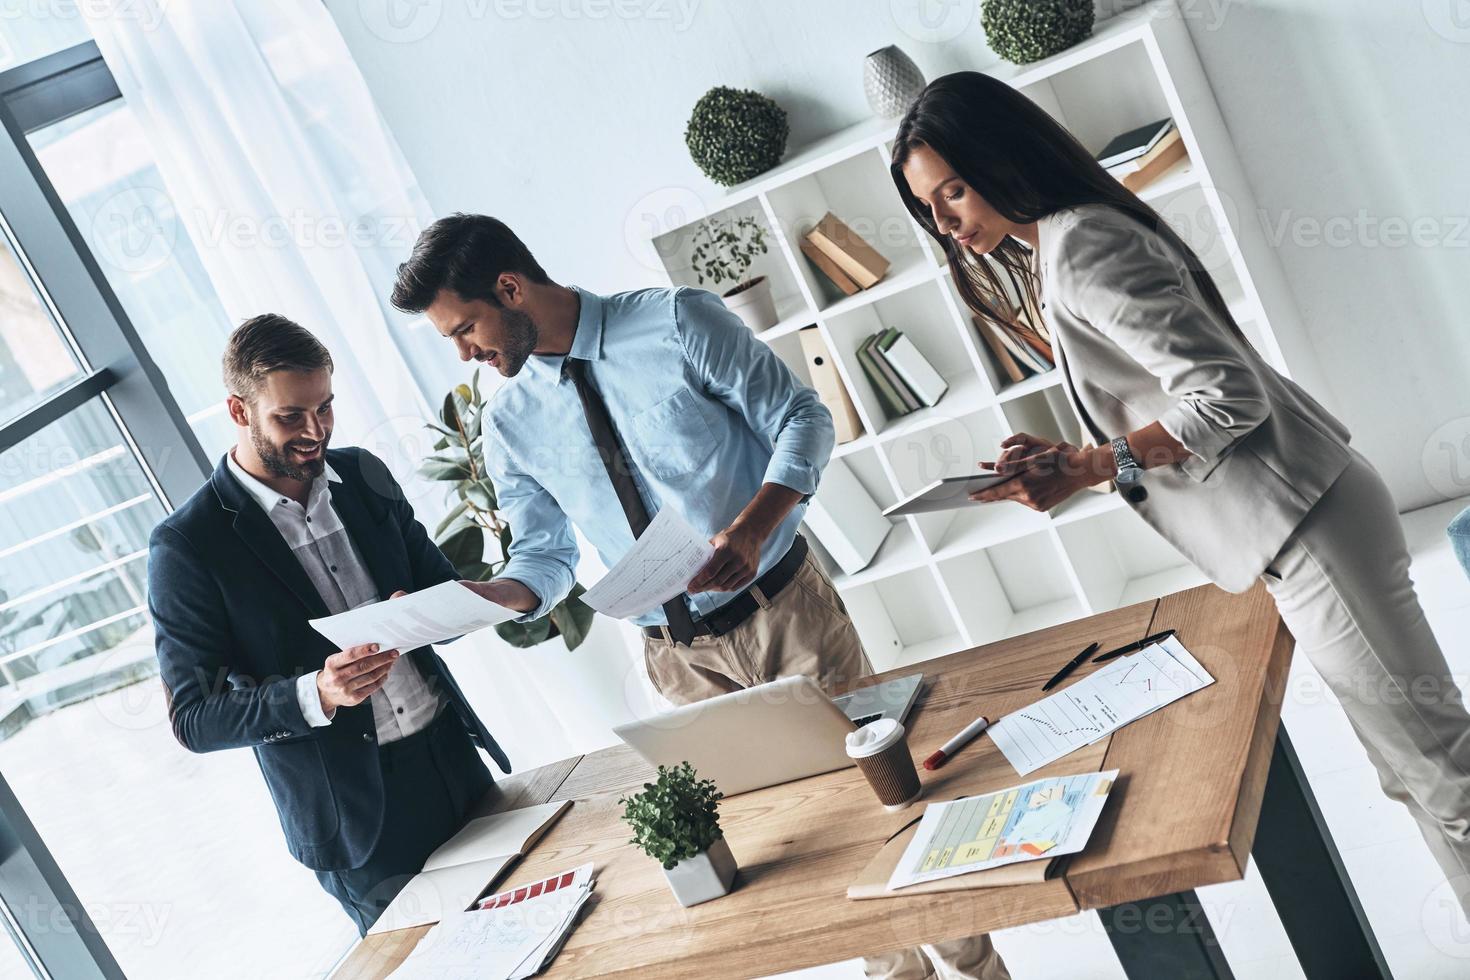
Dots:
{"x": 754, "y": 305}
{"x": 704, "y": 876}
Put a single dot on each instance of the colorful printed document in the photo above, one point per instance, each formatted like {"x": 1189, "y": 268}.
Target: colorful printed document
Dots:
{"x": 509, "y": 936}
{"x": 1044, "y": 819}
{"x": 1125, "y": 690}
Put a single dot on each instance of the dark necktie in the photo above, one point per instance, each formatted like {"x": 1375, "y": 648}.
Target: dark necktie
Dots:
{"x": 620, "y": 471}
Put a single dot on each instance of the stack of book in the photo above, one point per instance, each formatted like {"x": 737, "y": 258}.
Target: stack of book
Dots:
{"x": 1017, "y": 348}
{"x": 1141, "y": 156}
{"x": 843, "y": 255}
{"x": 902, "y": 378}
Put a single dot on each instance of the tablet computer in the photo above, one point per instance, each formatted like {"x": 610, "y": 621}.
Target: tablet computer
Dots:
{"x": 945, "y": 494}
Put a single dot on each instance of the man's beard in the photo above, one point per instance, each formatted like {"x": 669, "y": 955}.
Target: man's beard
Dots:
{"x": 278, "y": 463}
{"x": 522, "y": 335}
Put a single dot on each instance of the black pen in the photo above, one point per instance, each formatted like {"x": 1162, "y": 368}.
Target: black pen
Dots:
{"x": 1135, "y": 645}
{"x": 1071, "y": 665}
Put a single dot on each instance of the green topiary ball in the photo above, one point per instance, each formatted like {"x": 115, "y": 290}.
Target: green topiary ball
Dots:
{"x": 734, "y": 134}
{"x": 1022, "y": 31}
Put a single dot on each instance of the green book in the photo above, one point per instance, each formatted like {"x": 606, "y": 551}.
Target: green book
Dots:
{"x": 888, "y": 399}
{"x": 887, "y": 339}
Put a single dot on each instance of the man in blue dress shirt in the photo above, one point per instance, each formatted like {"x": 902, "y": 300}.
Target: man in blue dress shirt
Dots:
{"x": 617, "y": 406}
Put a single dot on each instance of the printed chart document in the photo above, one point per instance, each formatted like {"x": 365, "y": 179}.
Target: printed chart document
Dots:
{"x": 508, "y": 936}
{"x": 658, "y": 567}
{"x": 1125, "y": 690}
{"x": 1044, "y": 819}
{"x": 431, "y": 615}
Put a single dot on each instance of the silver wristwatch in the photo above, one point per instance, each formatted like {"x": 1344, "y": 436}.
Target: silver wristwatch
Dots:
{"x": 1129, "y": 472}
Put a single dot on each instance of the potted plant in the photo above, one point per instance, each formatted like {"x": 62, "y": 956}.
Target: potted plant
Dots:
{"x": 676, "y": 821}
{"x": 459, "y": 460}
{"x": 1022, "y": 31}
{"x": 724, "y": 251}
{"x": 735, "y": 134}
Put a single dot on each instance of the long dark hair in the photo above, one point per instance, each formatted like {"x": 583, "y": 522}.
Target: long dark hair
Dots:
{"x": 1026, "y": 166}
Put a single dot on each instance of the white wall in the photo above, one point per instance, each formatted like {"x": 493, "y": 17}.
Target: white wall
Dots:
{"x": 565, "y": 118}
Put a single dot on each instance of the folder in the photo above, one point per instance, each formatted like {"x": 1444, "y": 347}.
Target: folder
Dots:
{"x": 829, "y": 385}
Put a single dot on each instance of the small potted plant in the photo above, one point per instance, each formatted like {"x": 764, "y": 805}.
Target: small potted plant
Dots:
{"x": 676, "y": 821}
{"x": 724, "y": 251}
{"x": 1023, "y": 31}
{"x": 735, "y": 134}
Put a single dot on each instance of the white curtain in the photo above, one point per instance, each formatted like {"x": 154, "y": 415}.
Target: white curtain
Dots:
{"x": 300, "y": 202}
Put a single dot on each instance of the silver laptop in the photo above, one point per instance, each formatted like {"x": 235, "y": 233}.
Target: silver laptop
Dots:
{"x": 761, "y": 736}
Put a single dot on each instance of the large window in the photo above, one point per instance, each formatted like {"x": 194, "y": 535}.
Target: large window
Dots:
{"x": 118, "y": 849}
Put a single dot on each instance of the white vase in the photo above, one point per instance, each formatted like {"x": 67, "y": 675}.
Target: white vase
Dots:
{"x": 891, "y": 81}
{"x": 704, "y": 876}
{"x": 754, "y": 305}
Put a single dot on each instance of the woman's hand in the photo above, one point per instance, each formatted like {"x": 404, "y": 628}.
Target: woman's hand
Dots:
{"x": 1043, "y": 473}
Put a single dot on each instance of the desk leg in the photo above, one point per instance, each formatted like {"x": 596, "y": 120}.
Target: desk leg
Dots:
{"x": 1306, "y": 879}
{"x": 1168, "y": 936}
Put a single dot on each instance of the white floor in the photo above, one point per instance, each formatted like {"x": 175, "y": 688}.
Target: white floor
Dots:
{"x": 1417, "y": 923}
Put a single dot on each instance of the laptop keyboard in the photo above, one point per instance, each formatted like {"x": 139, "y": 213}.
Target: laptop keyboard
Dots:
{"x": 867, "y": 719}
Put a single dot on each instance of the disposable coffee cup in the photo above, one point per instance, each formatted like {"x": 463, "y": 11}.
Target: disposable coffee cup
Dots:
{"x": 882, "y": 752}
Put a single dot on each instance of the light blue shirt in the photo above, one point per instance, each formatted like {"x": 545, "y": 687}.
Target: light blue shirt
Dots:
{"x": 706, "y": 414}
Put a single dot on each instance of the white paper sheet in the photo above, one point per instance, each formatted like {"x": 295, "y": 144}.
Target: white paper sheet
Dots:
{"x": 431, "y": 615}
{"x": 1038, "y": 821}
{"x": 1098, "y": 705}
{"x": 514, "y": 939}
{"x": 658, "y": 567}
{"x": 431, "y": 896}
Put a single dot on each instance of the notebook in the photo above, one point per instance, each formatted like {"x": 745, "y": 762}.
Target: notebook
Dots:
{"x": 468, "y": 865}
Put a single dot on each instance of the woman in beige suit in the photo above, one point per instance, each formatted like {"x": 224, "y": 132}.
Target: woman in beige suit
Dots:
{"x": 1235, "y": 465}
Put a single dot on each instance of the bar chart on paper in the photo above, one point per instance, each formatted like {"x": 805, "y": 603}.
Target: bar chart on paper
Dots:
{"x": 1125, "y": 690}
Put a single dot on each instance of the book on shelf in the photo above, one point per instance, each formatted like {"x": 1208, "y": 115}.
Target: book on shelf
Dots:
{"x": 1160, "y": 161}
{"x": 828, "y": 268}
{"x": 1129, "y": 146}
{"x": 848, "y": 250}
{"x": 895, "y": 400}
{"x": 1018, "y": 351}
{"x": 828, "y": 383}
{"x": 912, "y": 368}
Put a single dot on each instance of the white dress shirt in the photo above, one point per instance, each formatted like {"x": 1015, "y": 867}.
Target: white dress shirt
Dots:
{"x": 316, "y": 536}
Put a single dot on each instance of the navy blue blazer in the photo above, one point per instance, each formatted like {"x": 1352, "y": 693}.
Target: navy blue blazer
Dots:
{"x": 230, "y": 605}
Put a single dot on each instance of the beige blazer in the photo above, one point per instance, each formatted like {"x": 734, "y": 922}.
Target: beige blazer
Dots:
{"x": 1136, "y": 343}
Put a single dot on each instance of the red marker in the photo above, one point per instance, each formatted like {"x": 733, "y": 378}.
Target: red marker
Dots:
{"x": 955, "y": 744}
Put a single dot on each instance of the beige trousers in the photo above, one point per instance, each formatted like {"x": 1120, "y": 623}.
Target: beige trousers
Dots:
{"x": 1342, "y": 586}
{"x": 804, "y": 629}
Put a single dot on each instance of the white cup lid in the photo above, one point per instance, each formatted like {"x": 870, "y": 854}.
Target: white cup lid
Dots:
{"x": 873, "y": 738}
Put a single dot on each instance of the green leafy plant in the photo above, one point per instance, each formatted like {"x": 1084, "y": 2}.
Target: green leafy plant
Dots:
{"x": 734, "y": 134}
{"x": 1022, "y": 31}
{"x": 725, "y": 250}
{"x": 459, "y": 460}
{"x": 675, "y": 817}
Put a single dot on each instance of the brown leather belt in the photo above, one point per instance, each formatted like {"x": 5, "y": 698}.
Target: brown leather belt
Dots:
{"x": 738, "y": 609}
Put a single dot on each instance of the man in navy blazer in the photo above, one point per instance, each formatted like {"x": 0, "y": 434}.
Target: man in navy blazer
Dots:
{"x": 369, "y": 754}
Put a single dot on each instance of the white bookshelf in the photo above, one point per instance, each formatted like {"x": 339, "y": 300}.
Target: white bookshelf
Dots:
{"x": 944, "y": 582}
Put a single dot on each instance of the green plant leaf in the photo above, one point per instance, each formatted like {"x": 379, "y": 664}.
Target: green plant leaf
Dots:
{"x": 480, "y": 493}
{"x": 454, "y": 514}
{"x": 464, "y": 548}
{"x": 573, "y": 617}
{"x": 444, "y": 468}
{"x": 526, "y": 634}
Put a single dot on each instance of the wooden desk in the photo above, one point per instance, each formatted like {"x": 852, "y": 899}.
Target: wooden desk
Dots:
{"x": 1186, "y": 812}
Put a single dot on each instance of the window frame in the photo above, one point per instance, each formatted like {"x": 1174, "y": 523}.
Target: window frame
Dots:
{"x": 117, "y": 370}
